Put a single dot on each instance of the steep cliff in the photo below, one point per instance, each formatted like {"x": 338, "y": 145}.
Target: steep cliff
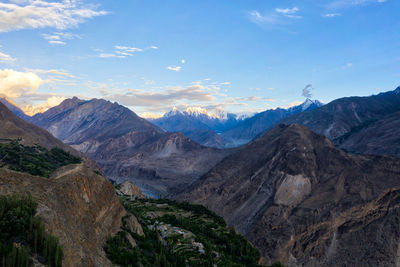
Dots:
{"x": 302, "y": 201}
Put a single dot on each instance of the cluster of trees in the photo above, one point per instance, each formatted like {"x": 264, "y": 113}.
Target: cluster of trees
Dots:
{"x": 22, "y": 234}
{"x": 234, "y": 249}
{"x": 222, "y": 245}
{"x": 35, "y": 160}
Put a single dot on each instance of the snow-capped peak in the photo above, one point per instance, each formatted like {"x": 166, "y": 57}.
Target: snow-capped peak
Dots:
{"x": 308, "y": 102}
{"x": 196, "y": 111}
{"x": 173, "y": 112}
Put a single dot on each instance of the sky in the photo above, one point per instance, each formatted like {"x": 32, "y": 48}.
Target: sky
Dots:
{"x": 241, "y": 56}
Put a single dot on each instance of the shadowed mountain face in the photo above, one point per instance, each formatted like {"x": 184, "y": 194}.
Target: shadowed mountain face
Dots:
{"x": 358, "y": 124}
{"x": 303, "y": 201}
{"x": 15, "y": 109}
{"x": 75, "y": 120}
{"x": 127, "y": 146}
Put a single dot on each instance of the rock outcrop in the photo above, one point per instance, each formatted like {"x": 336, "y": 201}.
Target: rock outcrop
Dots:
{"x": 76, "y": 205}
{"x": 129, "y": 189}
{"x": 304, "y": 202}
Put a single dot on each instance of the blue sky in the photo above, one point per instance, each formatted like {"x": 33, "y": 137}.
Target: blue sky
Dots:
{"x": 238, "y": 55}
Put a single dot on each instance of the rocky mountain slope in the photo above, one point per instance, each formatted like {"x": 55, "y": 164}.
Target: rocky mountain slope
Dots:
{"x": 13, "y": 127}
{"x": 358, "y": 124}
{"x": 128, "y": 147}
{"x": 375, "y": 137}
{"x": 76, "y": 205}
{"x": 14, "y": 108}
{"x": 249, "y": 128}
{"x": 75, "y": 121}
{"x": 302, "y": 201}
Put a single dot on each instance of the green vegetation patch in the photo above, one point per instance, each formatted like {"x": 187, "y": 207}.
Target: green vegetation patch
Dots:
{"x": 179, "y": 234}
{"x": 35, "y": 160}
{"x": 22, "y": 235}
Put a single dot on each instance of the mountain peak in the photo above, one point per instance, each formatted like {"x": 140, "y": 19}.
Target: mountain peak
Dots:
{"x": 397, "y": 90}
{"x": 308, "y": 102}
{"x": 173, "y": 112}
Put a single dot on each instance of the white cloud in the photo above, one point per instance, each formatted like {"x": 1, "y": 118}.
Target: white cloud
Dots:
{"x": 4, "y": 58}
{"x": 183, "y": 61}
{"x": 55, "y": 76}
{"x": 256, "y": 17}
{"x": 331, "y": 15}
{"x": 126, "y": 50}
{"x": 57, "y": 42}
{"x": 154, "y": 47}
{"x": 338, "y": 4}
{"x": 109, "y": 55}
{"x": 40, "y": 108}
{"x": 172, "y": 95}
{"x": 34, "y": 14}
{"x": 156, "y": 101}
{"x": 225, "y": 83}
{"x": 287, "y": 10}
{"x": 174, "y": 68}
{"x": 278, "y": 16}
{"x": 59, "y": 38}
{"x": 14, "y": 84}
{"x": 123, "y": 51}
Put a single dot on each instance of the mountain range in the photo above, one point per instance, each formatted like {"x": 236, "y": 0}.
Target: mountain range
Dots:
{"x": 311, "y": 185}
{"x": 366, "y": 125}
{"x": 126, "y": 146}
{"x": 225, "y": 129}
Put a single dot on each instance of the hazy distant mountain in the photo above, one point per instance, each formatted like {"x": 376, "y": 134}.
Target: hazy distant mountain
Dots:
{"x": 358, "y": 124}
{"x": 127, "y": 146}
{"x": 198, "y": 124}
{"x": 304, "y": 202}
{"x": 249, "y": 128}
{"x": 222, "y": 129}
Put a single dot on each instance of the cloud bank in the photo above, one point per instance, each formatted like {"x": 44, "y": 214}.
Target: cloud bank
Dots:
{"x": 33, "y": 14}
{"x": 14, "y": 84}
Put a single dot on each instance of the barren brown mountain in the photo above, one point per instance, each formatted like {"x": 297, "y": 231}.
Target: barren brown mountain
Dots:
{"x": 304, "y": 202}
{"x": 77, "y": 205}
{"x": 358, "y": 124}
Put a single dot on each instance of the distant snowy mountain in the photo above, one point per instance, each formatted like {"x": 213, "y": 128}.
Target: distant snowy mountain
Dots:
{"x": 248, "y": 129}
{"x": 220, "y": 128}
{"x": 199, "y": 124}
{"x": 306, "y": 105}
